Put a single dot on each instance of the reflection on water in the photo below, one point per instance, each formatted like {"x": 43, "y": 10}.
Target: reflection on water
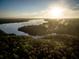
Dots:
{"x": 12, "y": 28}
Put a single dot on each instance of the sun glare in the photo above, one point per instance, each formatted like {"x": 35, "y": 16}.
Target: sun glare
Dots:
{"x": 56, "y": 12}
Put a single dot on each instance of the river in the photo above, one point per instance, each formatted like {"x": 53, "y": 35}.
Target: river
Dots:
{"x": 12, "y": 28}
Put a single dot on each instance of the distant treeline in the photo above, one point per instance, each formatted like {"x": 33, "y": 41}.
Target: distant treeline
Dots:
{"x": 14, "y": 20}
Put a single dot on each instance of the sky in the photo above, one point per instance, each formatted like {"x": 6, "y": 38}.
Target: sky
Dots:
{"x": 36, "y": 8}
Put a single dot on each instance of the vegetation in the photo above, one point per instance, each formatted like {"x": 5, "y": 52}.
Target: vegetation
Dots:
{"x": 2, "y": 33}
{"x": 63, "y": 45}
{"x": 6, "y": 20}
{"x": 62, "y": 26}
{"x": 23, "y": 47}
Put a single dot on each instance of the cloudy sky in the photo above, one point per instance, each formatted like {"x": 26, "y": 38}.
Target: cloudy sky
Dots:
{"x": 36, "y": 8}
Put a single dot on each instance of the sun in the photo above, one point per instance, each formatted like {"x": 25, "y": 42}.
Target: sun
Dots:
{"x": 56, "y": 12}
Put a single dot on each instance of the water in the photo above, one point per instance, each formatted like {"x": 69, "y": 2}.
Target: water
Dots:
{"x": 12, "y": 28}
